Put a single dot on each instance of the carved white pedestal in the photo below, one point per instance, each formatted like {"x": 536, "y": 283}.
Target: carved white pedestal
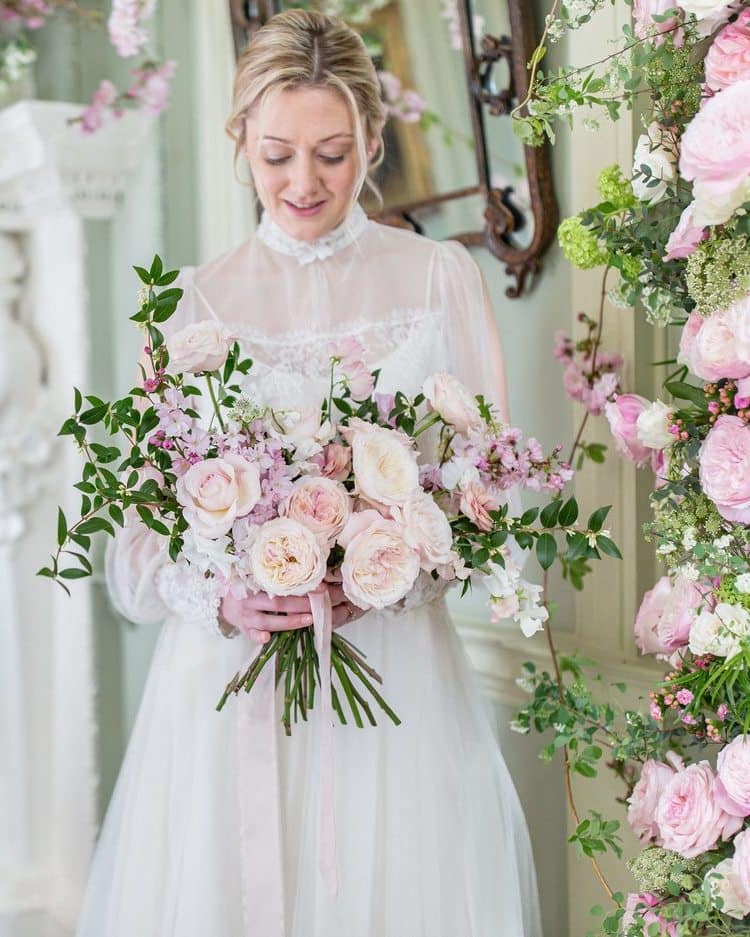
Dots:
{"x": 51, "y": 178}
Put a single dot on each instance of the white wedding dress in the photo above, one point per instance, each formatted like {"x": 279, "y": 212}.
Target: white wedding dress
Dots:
{"x": 430, "y": 838}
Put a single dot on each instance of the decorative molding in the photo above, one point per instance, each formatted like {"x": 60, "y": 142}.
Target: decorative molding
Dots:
{"x": 53, "y": 165}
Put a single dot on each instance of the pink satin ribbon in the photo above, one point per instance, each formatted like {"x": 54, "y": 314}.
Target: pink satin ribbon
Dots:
{"x": 258, "y": 788}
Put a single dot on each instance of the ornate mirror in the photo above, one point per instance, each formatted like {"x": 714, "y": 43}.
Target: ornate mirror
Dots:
{"x": 450, "y": 69}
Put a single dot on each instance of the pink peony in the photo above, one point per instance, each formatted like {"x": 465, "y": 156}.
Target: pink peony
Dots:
{"x": 622, "y": 415}
{"x": 733, "y": 777}
{"x": 642, "y": 803}
{"x": 725, "y": 468}
{"x": 719, "y": 345}
{"x": 685, "y": 237}
{"x": 644, "y": 24}
{"x": 728, "y": 59}
{"x": 476, "y": 504}
{"x": 637, "y": 910}
{"x": 667, "y": 612}
{"x": 715, "y": 155}
{"x": 689, "y": 818}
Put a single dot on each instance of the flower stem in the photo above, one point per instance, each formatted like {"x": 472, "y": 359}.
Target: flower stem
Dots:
{"x": 215, "y": 402}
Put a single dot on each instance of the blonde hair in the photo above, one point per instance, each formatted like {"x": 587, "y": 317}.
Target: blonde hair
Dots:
{"x": 307, "y": 49}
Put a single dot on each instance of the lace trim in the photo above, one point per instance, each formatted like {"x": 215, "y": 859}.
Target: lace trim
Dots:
{"x": 307, "y": 352}
{"x": 307, "y": 251}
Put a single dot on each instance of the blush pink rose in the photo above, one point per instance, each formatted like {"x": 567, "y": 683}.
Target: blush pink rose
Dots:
{"x": 689, "y": 819}
{"x": 685, "y": 237}
{"x": 666, "y": 615}
{"x": 638, "y": 909}
{"x": 644, "y": 24}
{"x": 476, "y": 504}
{"x": 379, "y": 567}
{"x": 725, "y": 468}
{"x": 720, "y": 347}
{"x": 728, "y": 59}
{"x": 336, "y": 461}
{"x": 215, "y": 492}
{"x": 320, "y": 504}
{"x": 655, "y": 775}
{"x": 286, "y": 558}
{"x": 448, "y": 397}
{"x": 689, "y": 334}
{"x": 384, "y": 463}
{"x": 358, "y": 522}
{"x": 733, "y": 777}
{"x": 715, "y": 155}
{"x": 622, "y": 415}
{"x": 426, "y": 529}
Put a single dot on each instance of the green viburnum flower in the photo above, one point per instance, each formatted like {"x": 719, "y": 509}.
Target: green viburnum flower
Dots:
{"x": 729, "y": 593}
{"x": 580, "y": 245}
{"x": 718, "y": 273}
{"x": 615, "y": 188}
{"x": 655, "y": 867}
{"x": 630, "y": 266}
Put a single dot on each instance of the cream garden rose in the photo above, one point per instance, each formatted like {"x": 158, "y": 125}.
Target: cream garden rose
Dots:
{"x": 286, "y": 558}
{"x": 451, "y": 399}
{"x": 652, "y": 426}
{"x": 321, "y": 504}
{"x": 426, "y": 529}
{"x": 379, "y": 566}
{"x": 385, "y": 465}
{"x": 200, "y": 346}
{"x": 214, "y": 492}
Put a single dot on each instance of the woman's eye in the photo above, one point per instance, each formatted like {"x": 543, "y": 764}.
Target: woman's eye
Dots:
{"x": 332, "y": 159}
{"x": 276, "y": 160}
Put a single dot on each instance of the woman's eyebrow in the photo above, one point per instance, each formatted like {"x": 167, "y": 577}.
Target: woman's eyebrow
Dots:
{"x": 324, "y": 140}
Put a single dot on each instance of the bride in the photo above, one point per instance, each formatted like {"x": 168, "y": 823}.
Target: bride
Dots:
{"x": 217, "y": 826}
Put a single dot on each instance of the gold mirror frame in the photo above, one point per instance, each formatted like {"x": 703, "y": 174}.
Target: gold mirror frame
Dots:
{"x": 502, "y": 217}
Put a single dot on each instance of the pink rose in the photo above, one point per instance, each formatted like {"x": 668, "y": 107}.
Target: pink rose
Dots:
{"x": 379, "y": 567}
{"x": 448, "y": 397}
{"x": 725, "y": 468}
{"x": 715, "y": 155}
{"x": 720, "y": 345}
{"x": 728, "y": 59}
{"x": 733, "y": 777}
{"x": 358, "y": 522}
{"x": 637, "y": 910}
{"x": 286, "y": 558}
{"x": 689, "y": 819}
{"x": 214, "y": 492}
{"x": 426, "y": 529}
{"x": 685, "y": 237}
{"x": 476, "y": 504}
{"x": 622, "y": 415}
{"x": 351, "y": 368}
{"x": 320, "y": 504}
{"x": 642, "y": 803}
{"x": 644, "y": 24}
{"x": 336, "y": 462}
{"x": 742, "y": 865}
{"x": 692, "y": 327}
{"x": 666, "y": 615}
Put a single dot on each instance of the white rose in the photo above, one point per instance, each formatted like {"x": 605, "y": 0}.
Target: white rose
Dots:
{"x": 448, "y": 397}
{"x": 709, "y": 634}
{"x": 426, "y": 529}
{"x": 656, "y": 150}
{"x": 652, "y": 426}
{"x": 321, "y": 504}
{"x": 216, "y": 491}
{"x": 384, "y": 464}
{"x": 459, "y": 473}
{"x": 723, "y": 884}
{"x": 379, "y": 567}
{"x": 303, "y": 431}
{"x": 712, "y": 207}
{"x": 742, "y": 582}
{"x": 202, "y": 346}
{"x": 707, "y": 9}
{"x": 286, "y": 558}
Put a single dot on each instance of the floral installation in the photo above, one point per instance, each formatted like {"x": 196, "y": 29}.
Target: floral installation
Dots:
{"x": 149, "y": 86}
{"x": 671, "y": 238}
{"x": 279, "y": 501}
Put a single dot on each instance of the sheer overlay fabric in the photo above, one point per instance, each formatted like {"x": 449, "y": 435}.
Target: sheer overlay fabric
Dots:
{"x": 430, "y": 836}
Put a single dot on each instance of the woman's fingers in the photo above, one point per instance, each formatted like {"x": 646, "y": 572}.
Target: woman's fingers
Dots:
{"x": 262, "y": 602}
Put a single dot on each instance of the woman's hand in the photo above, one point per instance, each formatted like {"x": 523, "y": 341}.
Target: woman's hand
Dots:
{"x": 258, "y": 614}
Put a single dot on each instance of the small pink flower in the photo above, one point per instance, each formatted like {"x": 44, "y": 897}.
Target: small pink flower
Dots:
{"x": 125, "y": 33}
{"x": 684, "y": 697}
{"x": 152, "y": 87}
{"x": 638, "y": 910}
{"x": 476, "y": 504}
{"x": 722, "y": 710}
{"x": 92, "y": 118}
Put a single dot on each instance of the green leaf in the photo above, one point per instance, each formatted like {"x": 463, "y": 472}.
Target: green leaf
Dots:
{"x": 94, "y": 415}
{"x": 157, "y": 267}
{"x": 95, "y": 524}
{"x": 568, "y": 513}
{"x": 546, "y": 550}
{"x": 168, "y": 278}
{"x": 144, "y": 275}
{"x": 74, "y": 573}
{"x": 596, "y": 521}
{"x": 62, "y": 527}
{"x": 528, "y": 517}
{"x": 609, "y": 547}
{"x": 46, "y": 571}
{"x": 77, "y": 399}
{"x": 690, "y": 392}
{"x": 550, "y": 514}
{"x": 115, "y": 512}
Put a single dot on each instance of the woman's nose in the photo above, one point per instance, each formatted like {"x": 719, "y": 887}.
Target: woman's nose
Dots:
{"x": 304, "y": 178}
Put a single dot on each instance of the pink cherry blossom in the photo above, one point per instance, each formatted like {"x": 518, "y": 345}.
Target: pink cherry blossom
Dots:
{"x": 152, "y": 87}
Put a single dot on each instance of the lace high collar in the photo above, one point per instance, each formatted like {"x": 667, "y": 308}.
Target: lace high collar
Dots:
{"x": 307, "y": 251}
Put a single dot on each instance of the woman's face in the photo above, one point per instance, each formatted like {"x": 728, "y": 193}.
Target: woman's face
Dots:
{"x": 304, "y": 160}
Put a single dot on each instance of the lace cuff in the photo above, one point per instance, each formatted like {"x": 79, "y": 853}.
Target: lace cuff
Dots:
{"x": 187, "y": 593}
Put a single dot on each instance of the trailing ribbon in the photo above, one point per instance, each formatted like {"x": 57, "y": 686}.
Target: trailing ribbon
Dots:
{"x": 258, "y": 788}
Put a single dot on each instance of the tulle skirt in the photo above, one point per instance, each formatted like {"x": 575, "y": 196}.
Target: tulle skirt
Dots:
{"x": 430, "y": 837}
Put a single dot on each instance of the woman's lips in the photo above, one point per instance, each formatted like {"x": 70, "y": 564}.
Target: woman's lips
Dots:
{"x": 305, "y": 211}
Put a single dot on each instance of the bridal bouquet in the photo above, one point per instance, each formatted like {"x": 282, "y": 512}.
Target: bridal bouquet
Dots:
{"x": 281, "y": 501}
